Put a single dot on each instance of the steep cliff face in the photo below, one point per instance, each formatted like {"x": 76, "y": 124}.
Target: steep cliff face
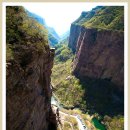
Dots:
{"x": 29, "y": 92}
{"x": 99, "y": 54}
{"x": 28, "y": 70}
{"x": 73, "y": 38}
{"x": 97, "y": 39}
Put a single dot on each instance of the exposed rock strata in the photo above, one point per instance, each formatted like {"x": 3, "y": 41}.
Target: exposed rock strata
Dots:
{"x": 99, "y": 54}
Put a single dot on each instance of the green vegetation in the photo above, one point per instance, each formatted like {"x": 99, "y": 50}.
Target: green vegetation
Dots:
{"x": 23, "y": 31}
{"x": 52, "y": 35}
{"x": 67, "y": 126}
{"x": 86, "y": 117}
{"x": 63, "y": 81}
{"x": 114, "y": 123}
{"x": 71, "y": 92}
{"x": 103, "y": 17}
{"x": 72, "y": 121}
{"x": 63, "y": 53}
{"x": 89, "y": 95}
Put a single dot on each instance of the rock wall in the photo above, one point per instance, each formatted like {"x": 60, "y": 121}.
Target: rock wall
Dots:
{"x": 99, "y": 54}
{"x": 28, "y": 92}
{"x": 75, "y": 31}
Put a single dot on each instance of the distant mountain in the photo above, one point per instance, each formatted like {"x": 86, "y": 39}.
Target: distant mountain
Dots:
{"x": 53, "y": 32}
{"x": 37, "y": 18}
{"x": 65, "y": 36}
{"x": 52, "y": 35}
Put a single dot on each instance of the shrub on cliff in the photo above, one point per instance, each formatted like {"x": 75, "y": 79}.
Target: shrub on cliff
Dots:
{"x": 115, "y": 123}
{"x": 23, "y": 30}
{"x": 63, "y": 53}
{"x": 103, "y": 17}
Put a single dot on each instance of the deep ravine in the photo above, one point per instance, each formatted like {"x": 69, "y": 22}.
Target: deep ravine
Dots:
{"x": 69, "y": 84}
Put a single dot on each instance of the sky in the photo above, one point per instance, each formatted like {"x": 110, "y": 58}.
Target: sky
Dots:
{"x": 59, "y": 15}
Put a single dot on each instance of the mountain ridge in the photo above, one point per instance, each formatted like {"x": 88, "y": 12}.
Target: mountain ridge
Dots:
{"x": 52, "y": 35}
{"x": 103, "y": 17}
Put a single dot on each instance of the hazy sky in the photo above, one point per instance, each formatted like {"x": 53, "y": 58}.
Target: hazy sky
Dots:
{"x": 59, "y": 15}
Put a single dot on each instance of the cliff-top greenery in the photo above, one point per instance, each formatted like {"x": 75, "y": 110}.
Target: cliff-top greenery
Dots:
{"x": 22, "y": 30}
{"x": 103, "y": 17}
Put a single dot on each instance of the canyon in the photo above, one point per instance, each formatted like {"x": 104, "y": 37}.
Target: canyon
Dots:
{"x": 85, "y": 70}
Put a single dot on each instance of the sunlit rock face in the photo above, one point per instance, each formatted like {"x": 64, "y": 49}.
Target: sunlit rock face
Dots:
{"x": 99, "y": 64}
{"x": 98, "y": 44}
{"x": 99, "y": 54}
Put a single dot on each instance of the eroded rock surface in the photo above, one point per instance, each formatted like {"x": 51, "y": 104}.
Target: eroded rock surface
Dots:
{"x": 29, "y": 92}
{"x": 99, "y": 54}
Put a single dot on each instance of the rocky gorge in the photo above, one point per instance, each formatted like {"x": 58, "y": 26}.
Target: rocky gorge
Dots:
{"x": 85, "y": 70}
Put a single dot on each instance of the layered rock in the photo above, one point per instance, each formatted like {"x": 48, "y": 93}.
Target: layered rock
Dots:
{"x": 99, "y": 54}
